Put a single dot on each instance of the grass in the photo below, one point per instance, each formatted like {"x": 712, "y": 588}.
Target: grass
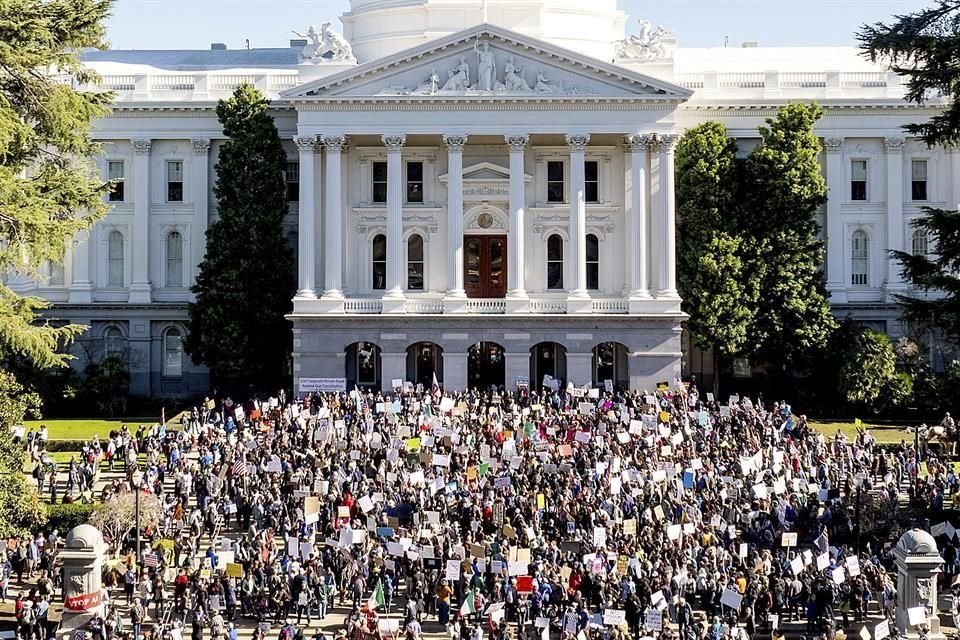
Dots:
{"x": 86, "y": 428}
{"x": 885, "y": 434}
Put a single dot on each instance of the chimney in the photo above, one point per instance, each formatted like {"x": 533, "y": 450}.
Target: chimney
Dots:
{"x": 218, "y": 46}
{"x": 297, "y": 43}
{"x": 750, "y": 44}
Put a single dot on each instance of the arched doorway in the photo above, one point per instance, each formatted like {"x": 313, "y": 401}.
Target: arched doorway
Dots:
{"x": 423, "y": 360}
{"x": 363, "y": 365}
{"x": 610, "y": 363}
{"x": 485, "y": 366}
{"x": 547, "y": 359}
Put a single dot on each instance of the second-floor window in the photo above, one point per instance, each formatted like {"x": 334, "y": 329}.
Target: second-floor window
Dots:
{"x": 174, "y": 181}
{"x": 593, "y": 262}
{"x": 555, "y": 181}
{"x": 379, "y": 262}
{"x": 115, "y": 176}
{"x": 292, "y": 177}
{"x": 592, "y": 181}
{"x": 858, "y": 180}
{"x": 555, "y": 262}
{"x": 380, "y": 182}
{"x": 918, "y": 180}
{"x": 415, "y": 182}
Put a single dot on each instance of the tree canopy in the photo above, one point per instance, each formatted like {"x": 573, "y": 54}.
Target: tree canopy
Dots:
{"x": 49, "y": 187}
{"x": 245, "y": 282}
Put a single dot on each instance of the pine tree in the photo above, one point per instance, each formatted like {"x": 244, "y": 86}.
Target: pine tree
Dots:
{"x": 784, "y": 188}
{"x": 245, "y": 284}
{"x": 710, "y": 270}
{"x": 923, "y": 47}
{"x": 49, "y": 187}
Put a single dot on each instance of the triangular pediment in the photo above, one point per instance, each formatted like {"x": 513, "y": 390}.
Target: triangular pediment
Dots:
{"x": 485, "y": 172}
{"x": 485, "y": 63}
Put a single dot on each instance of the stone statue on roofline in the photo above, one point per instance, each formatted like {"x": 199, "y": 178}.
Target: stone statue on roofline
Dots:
{"x": 645, "y": 46}
{"x": 325, "y": 45}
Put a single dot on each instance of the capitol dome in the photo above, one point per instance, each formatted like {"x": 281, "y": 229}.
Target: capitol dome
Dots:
{"x": 377, "y": 28}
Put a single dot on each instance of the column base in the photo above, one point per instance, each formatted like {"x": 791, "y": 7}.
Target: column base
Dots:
{"x": 639, "y": 294}
{"x": 456, "y": 293}
{"x": 81, "y": 293}
{"x": 332, "y": 294}
{"x": 140, "y": 293}
{"x": 668, "y": 293}
{"x": 838, "y": 295}
{"x": 305, "y": 294}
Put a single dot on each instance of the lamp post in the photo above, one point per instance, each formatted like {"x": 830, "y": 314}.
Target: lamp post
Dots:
{"x": 137, "y": 485}
{"x": 859, "y": 479}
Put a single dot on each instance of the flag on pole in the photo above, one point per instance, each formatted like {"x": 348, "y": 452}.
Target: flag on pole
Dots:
{"x": 239, "y": 467}
{"x": 376, "y": 598}
{"x": 163, "y": 415}
{"x": 436, "y": 386}
{"x": 469, "y": 604}
{"x": 150, "y": 560}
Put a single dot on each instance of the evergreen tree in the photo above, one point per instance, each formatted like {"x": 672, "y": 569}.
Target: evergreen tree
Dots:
{"x": 49, "y": 187}
{"x": 245, "y": 283}
{"x": 923, "y": 47}
{"x": 784, "y": 189}
{"x": 710, "y": 272}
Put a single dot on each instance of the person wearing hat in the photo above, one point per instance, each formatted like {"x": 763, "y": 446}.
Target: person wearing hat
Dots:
{"x": 443, "y": 593}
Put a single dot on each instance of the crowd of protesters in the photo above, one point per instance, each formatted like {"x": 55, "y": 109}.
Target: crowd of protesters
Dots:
{"x": 569, "y": 513}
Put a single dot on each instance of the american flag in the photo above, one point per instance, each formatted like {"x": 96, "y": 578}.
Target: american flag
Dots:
{"x": 150, "y": 560}
{"x": 239, "y": 467}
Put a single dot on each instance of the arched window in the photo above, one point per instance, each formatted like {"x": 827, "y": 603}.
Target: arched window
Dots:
{"x": 859, "y": 258}
{"x": 555, "y": 262}
{"x": 172, "y": 353}
{"x": 379, "y": 261}
{"x": 415, "y": 262}
{"x": 174, "y": 259}
{"x": 920, "y": 243}
{"x": 115, "y": 259}
{"x": 56, "y": 274}
{"x": 593, "y": 262}
{"x": 114, "y": 343}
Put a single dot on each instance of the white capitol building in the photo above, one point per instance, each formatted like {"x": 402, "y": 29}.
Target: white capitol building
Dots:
{"x": 478, "y": 188}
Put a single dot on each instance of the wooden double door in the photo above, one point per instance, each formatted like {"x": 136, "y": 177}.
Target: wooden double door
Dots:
{"x": 485, "y": 266}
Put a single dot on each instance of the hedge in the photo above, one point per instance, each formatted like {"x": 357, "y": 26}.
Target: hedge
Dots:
{"x": 64, "y": 517}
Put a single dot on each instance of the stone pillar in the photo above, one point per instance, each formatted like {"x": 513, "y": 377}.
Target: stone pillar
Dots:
{"x": 455, "y": 144}
{"x": 918, "y": 565}
{"x": 515, "y": 365}
{"x": 201, "y": 205}
{"x": 636, "y": 243}
{"x": 82, "y": 557}
{"x": 894, "y": 154}
{"x": 580, "y": 368}
{"x": 454, "y": 370}
{"x": 667, "y": 273}
{"x": 140, "y": 240}
{"x": 306, "y": 228}
{"x": 578, "y": 214}
{"x": 836, "y": 183}
{"x": 392, "y": 365}
{"x": 394, "y": 145}
{"x": 333, "y": 226}
{"x": 81, "y": 285}
{"x": 954, "y": 154}
{"x": 516, "y": 256}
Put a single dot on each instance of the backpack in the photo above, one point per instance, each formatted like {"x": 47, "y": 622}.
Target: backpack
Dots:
{"x": 29, "y": 615}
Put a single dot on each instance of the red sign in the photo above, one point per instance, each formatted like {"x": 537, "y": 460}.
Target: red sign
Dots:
{"x": 524, "y": 584}
{"x": 83, "y": 602}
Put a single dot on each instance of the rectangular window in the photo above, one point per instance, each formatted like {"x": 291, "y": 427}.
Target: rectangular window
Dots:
{"x": 592, "y": 181}
{"x": 379, "y": 181}
{"x": 415, "y": 182}
{"x": 174, "y": 181}
{"x": 858, "y": 180}
{"x": 292, "y": 176}
{"x": 554, "y": 262}
{"x": 555, "y": 181}
{"x": 115, "y": 176}
{"x": 56, "y": 274}
{"x": 918, "y": 184}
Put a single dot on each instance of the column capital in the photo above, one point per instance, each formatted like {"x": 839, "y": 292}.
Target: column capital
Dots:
{"x": 455, "y": 141}
{"x": 833, "y": 145}
{"x": 335, "y": 144}
{"x": 577, "y": 141}
{"x": 664, "y": 142}
{"x": 141, "y": 145}
{"x": 517, "y": 142}
{"x": 637, "y": 142}
{"x": 306, "y": 143}
{"x": 394, "y": 142}
{"x": 894, "y": 144}
{"x": 200, "y": 145}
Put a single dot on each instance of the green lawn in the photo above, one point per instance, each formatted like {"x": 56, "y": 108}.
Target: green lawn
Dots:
{"x": 885, "y": 434}
{"x": 86, "y": 428}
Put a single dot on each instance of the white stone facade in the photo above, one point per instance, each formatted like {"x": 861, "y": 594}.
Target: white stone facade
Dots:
{"x": 439, "y": 163}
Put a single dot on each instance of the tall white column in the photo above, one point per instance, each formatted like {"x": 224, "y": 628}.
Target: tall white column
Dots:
{"x": 201, "y": 203}
{"x": 954, "y": 154}
{"x": 667, "y": 283}
{"x": 140, "y": 242}
{"x": 307, "y": 229}
{"x": 455, "y": 144}
{"x": 81, "y": 286}
{"x": 637, "y": 219}
{"x": 394, "y": 145}
{"x": 834, "y": 222}
{"x": 515, "y": 241}
{"x": 578, "y": 213}
{"x": 333, "y": 224}
{"x": 894, "y": 152}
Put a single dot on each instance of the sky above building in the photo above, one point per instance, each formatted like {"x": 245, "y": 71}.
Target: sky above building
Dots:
{"x": 194, "y": 24}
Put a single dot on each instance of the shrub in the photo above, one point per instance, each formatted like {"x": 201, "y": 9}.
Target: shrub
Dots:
{"x": 64, "y": 517}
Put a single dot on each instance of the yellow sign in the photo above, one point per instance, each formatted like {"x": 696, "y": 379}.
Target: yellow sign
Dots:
{"x": 664, "y": 417}
{"x": 166, "y": 543}
{"x": 204, "y": 573}
{"x": 413, "y": 444}
{"x": 234, "y": 570}
{"x": 541, "y": 501}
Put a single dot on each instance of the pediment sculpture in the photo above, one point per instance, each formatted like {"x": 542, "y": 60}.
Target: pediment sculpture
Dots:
{"x": 460, "y": 79}
{"x": 645, "y": 46}
{"x": 325, "y": 45}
